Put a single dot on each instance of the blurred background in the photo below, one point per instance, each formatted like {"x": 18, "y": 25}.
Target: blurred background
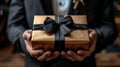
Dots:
{"x": 109, "y": 57}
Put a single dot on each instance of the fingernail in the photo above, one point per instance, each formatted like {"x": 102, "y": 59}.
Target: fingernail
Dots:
{"x": 62, "y": 53}
{"x": 70, "y": 53}
{"x": 80, "y": 53}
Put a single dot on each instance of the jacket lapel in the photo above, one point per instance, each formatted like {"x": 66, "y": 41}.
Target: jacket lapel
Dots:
{"x": 38, "y": 8}
{"x": 47, "y": 6}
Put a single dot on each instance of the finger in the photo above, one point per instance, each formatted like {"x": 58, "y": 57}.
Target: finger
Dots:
{"x": 36, "y": 53}
{"x": 44, "y": 56}
{"x": 27, "y": 35}
{"x": 75, "y": 56}
{"x": 93, "y": 45}
{"x": 33, "y": 53}
{"x": 54, "y": 55}
{"x": 92, "y": 35}
{"x": 29, "y": 31}
{"x": 93, "y": 38}
{"x": 81, "y": 53}
{"x": 67, "y": 56}
{"x": 28, "y": 45}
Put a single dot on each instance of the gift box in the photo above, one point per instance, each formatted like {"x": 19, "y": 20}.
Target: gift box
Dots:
{"x": 60, "y": 32}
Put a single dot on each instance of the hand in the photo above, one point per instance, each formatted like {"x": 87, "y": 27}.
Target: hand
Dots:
{"x": 38, "y": 54}
{"x": 80, "y": 55}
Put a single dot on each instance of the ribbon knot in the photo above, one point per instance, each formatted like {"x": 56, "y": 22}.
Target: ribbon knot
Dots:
{"x": 65, "y": 26}
{"x": 50, "y": 25}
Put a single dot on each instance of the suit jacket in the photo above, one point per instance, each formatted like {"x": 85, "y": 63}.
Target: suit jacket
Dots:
{"x": 100, "y": 16}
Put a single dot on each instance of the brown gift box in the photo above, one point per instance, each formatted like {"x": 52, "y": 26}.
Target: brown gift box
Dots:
{"x": 77, "y": 39}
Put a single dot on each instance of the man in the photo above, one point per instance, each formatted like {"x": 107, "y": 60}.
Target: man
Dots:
{"x": 100, "y": 22}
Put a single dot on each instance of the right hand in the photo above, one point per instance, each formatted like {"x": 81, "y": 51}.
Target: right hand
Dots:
{"x": 38, "y": 54}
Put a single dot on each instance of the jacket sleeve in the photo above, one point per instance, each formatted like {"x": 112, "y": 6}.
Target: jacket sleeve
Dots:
{"x": 16, "y": 23}
{"x": 106, "y": 29}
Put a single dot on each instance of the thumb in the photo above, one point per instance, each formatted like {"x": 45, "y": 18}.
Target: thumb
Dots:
{"x": 27, "y": 35}
{"x": 92, "y": 35}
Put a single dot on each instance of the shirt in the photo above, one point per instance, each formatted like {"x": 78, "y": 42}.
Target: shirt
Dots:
{"x": 61, "y": 7}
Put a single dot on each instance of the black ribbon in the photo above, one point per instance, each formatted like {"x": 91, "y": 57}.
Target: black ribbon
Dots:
{"x": 61, "y": 29}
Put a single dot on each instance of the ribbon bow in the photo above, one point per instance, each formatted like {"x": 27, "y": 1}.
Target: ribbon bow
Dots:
{"x": 65, "y": 26}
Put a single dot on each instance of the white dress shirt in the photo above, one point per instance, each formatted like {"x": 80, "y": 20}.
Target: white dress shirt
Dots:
{"x": 61, "y": 7}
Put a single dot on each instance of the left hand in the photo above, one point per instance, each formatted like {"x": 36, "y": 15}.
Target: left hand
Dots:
{"x": 80, "y": 55}
{"x": 40, "y": 54}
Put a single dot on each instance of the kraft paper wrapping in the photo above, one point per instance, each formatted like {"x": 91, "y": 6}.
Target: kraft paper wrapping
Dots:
{"x": 76, "y": 39}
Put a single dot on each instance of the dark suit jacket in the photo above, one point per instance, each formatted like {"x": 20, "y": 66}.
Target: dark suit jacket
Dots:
{"x": 100, "y": 16}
